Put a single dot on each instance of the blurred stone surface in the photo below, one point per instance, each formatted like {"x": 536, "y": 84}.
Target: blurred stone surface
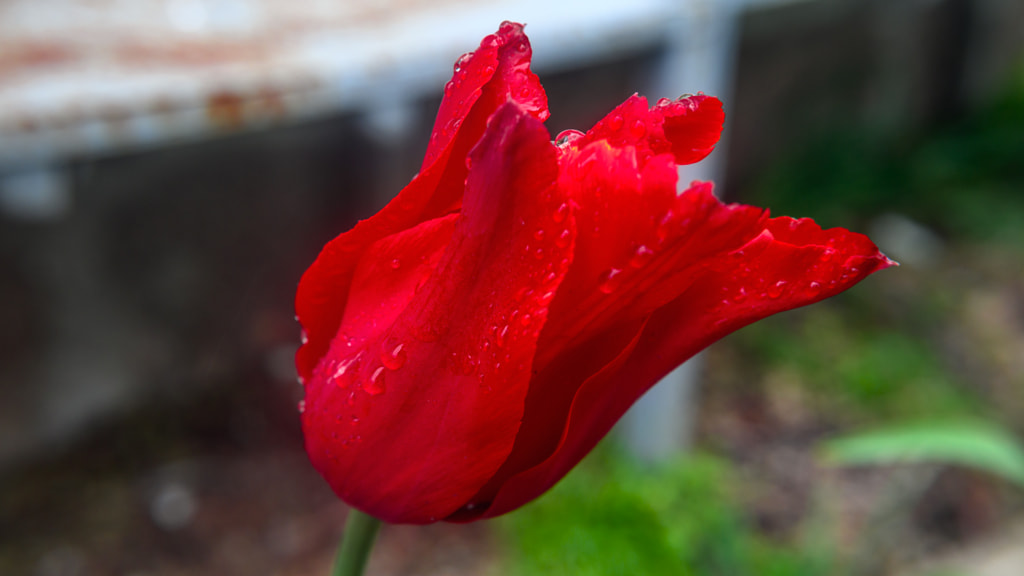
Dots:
{"x": 999, "y": 555}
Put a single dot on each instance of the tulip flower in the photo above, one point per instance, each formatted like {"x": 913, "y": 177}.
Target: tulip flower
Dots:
{"x": 469, "y": 344}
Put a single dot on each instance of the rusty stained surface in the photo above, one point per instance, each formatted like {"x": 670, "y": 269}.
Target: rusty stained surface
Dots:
{"x": 93, "y": 76}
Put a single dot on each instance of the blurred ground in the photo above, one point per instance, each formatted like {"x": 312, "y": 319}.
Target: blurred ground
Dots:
{"x": 998, "y": 555}
{"x": 209, "y": 488}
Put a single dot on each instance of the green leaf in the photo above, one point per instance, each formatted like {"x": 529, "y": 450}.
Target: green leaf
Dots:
{"x": 973, "y": 445}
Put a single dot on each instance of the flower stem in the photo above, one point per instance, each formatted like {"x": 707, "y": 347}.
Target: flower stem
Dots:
{"x": 356, "y": 543}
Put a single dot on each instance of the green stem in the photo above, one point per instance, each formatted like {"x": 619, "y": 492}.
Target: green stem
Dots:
{"x": 356, "y": 543}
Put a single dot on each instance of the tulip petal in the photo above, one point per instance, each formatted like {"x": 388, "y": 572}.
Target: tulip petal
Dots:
{"x": 547, "y": 407}
{"x": 496, "y": 73}
{"x": 796, "y": 265}
{"x": 621, "y": 214}
{"x": 692, "y": 125}
{"x": 467, "y": 337}
{"x": 687, "y": 128}
{"x": 322, "y": 296}
{"x": 485, "y": 79}
{"x": 529, "y": 483}
{"x": 507, "y": 307}
{"x": 639, "y": 244}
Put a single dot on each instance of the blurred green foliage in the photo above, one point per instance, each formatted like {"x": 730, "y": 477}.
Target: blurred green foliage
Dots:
{"x": 965, "y": 180}
{"x": 878, "y": 353}
{"x": 978, "y": 445}
{"x": 613, "y": 516}
{"x": 856, "y": 373}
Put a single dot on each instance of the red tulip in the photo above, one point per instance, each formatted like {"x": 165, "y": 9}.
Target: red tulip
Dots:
{"x": 467, "y": 345}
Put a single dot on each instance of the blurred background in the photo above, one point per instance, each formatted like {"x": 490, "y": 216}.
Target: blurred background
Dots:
{"x": 168, "y": 169}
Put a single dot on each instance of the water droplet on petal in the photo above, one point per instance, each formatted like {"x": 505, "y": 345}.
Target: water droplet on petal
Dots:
{"x": 546, "y": 297}
{"x": 776, "y": 290}
{"x": 814, "y": 287}
{"x": 561, "y": 213}
{"x": 346, "y": 371}
{"x": 609, "y": 280}
{"x": 666, "y": 226}
{"x": 740, "y": 296}
{"x": 538, "y": 253}
{"x": 615, "y": 123}
{"x": 525, "y": 320}
{"x": 462, "y": 61}
{"x": 563, "y": 239}
{"x": 469, "y": 366}
{"x": 638, "y": 129}
{"x": 538, "y": 233}
{"x": 502, "y": 336}
{"x": 641, "y": 256}
{"x": 396, "y": 264}
{"x": 375, "y": 385}
{"x": 567, "y": 136}
{"x": 393, "y": 356}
